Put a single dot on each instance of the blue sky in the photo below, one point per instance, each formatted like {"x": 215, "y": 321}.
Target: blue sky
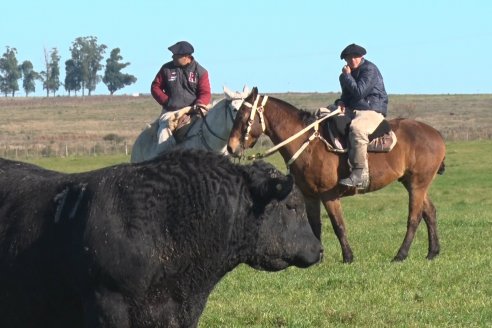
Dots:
{"x": 420, "y": 46}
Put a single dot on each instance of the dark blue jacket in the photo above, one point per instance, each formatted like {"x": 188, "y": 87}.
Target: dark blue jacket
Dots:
{"x": 364, "y": 89}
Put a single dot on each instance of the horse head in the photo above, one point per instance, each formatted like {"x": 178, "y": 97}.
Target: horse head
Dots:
{"x": 248, "y": 125}
{"x": 229, "y": 105}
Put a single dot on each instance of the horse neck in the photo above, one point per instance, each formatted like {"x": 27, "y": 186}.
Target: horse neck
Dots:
{"x": 220, "y": 123}
{"x": 283, "y": 121}
{"x": 217, "y": 113}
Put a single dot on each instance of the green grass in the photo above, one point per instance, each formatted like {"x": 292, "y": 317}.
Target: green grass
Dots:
{"x": 454, "y": 290}
{"x": 73, "y": 164}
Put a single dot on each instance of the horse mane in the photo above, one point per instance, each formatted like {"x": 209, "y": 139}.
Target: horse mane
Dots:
{"x": 304, "y": 115}
{"x": 215, "y": 102}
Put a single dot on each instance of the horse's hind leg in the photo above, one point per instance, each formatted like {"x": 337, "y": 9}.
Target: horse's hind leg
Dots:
{"x": 334, "y": 209}
{"x": 430, "y": 218}
{"x": 415, "y": 208}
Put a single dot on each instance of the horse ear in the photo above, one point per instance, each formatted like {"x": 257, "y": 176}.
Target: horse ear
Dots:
{"x": 227, "y": 91}
{"x": 254, "y": 92}
{"x": 246, "y": 90}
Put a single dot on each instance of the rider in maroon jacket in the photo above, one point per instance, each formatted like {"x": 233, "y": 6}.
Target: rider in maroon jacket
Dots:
{"x": 179, "y": 83}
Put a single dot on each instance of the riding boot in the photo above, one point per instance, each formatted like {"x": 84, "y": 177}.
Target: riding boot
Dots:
{"x": 359, "y": 178}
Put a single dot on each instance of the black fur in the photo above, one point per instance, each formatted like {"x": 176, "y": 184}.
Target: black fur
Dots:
{"x": 140, "y": 245}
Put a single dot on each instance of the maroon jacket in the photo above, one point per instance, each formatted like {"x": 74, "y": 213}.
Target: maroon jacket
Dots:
{"x": 176, "y": 87}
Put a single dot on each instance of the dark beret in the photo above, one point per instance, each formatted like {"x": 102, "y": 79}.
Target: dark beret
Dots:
{"x": 181, "y": 48}
{"x": 353, "y": 49}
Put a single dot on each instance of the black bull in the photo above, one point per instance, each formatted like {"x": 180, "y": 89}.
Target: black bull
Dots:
{"x": 140, "y": 245}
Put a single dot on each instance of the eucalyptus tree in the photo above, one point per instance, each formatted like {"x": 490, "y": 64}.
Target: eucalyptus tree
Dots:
{"x": 73, "y": 76}
{"x": 51, "y": 75}
{"x": 87, "y": 55}
{"x": 10, "y": 72}
{"x": 29, "y": 77}
{"x": 113, "y": 77}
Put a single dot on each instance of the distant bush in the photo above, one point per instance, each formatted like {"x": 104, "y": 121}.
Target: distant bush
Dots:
{"x": 113, "y": 137}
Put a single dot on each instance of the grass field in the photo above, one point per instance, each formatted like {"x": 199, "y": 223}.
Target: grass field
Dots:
{"x": 454, "y": 290}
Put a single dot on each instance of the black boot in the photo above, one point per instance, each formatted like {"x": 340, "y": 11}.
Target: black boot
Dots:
{"x": 358, "y": 179}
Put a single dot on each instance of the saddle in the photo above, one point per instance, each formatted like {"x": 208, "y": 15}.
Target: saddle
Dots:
{"x": 336, "y": 130}
{"x": 184, "y": 125}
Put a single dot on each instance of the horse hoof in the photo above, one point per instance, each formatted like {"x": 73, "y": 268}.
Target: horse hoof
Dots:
{"x": 348, "y": 259}
{"x": 399, "y": 258}
{"x": 432, "y": 256}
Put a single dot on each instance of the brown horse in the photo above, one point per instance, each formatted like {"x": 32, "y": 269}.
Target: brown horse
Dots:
{"x": 414, "y": 161}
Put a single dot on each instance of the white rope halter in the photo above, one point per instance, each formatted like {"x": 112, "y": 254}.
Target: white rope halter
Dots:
{"x": 254, "y": 108}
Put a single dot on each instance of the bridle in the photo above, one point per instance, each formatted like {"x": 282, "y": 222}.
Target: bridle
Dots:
{"x": 230, "y": 113}
{"x": 254, "y": 108}
{"x": 260, "y": 109}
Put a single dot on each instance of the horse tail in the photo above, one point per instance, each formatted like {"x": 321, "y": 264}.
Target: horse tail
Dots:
{"x": 442, "y": 167}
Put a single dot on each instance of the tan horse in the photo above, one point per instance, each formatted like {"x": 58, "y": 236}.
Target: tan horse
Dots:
{"x": 414, "y": 161}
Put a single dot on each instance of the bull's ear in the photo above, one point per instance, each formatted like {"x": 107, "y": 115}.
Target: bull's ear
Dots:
{"x": 283, "y": 187}
{"x": 267, "y": 183}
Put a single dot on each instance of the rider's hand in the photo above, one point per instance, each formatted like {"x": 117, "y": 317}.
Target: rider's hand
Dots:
{"x": 200, "y": 108}
{"x": 346, "y": 69}
{"x": 340, "y": 104}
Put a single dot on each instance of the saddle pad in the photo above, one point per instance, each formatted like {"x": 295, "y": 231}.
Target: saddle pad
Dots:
{"x": 184, "y": 125}
{"x": 382, "y": 144}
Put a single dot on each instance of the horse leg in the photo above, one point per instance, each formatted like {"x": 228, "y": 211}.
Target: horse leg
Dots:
{"x": 334, "y": 209}
{"x": 430, "y": 218}
{"x": 314, "y": 215}
{"x": 415, "y": 206}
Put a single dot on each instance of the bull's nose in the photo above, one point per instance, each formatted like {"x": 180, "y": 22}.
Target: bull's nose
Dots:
{"x": 309, "y": 256}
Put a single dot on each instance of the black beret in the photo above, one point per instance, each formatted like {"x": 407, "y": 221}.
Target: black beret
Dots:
{"x": 353, "y": 49}
{"x": 181, "y": 48}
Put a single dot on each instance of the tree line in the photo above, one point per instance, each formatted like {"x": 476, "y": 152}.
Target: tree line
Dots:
{"x": 81, "y": 70}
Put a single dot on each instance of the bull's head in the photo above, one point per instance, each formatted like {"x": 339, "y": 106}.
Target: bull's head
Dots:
{"x": 284, "y": 235}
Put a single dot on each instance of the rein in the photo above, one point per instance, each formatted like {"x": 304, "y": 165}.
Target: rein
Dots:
{"x": 272, "y": 150}
{"x": 228, "y": 112}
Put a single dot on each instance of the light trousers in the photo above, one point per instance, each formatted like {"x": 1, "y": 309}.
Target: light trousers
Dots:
{"x": 363, "y": 124}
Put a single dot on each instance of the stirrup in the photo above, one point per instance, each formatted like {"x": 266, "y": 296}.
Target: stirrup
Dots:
{"x": 361, "y": 183}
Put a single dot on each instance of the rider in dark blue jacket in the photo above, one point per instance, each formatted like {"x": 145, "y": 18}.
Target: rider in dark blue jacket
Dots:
{"x": 364, "y": 89}
{"x": 365, "y": 100}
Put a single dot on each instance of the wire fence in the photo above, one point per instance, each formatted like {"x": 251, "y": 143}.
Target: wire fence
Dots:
{"x": 111, "y": 147}
{"x": 466, "y": 134}
{"x": 25, "y": 151}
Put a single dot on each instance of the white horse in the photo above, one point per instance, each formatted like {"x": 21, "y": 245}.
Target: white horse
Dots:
{"x": 210, "y": 133}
